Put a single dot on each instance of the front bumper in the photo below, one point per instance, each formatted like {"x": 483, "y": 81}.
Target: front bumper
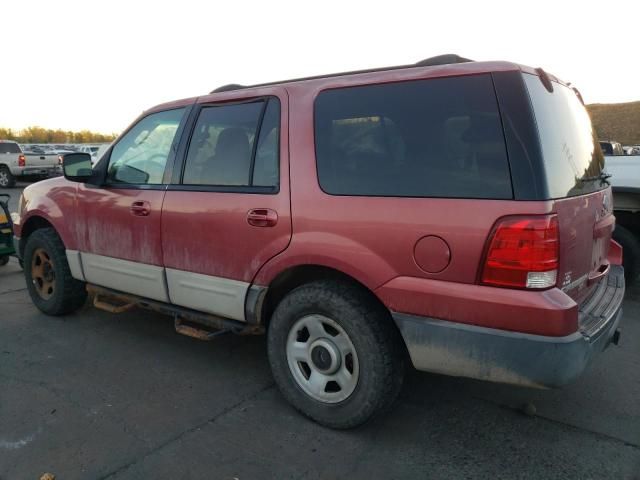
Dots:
{"x": 517, "y": 358}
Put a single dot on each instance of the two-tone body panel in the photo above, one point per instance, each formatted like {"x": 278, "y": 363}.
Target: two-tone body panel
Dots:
{"x": 204, "y": 246}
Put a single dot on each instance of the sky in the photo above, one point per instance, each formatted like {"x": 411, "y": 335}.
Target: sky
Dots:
{"x": 97, "y": 64}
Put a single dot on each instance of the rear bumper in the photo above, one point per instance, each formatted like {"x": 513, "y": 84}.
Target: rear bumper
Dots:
{"x": 517, "y": 358}
{"x": 40, "y": 171}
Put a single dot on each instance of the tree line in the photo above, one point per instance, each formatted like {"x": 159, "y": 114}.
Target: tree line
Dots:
{"x": 47, "y": 135}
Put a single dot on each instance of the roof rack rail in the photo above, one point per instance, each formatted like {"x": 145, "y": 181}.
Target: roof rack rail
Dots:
{"x": 446, "y": 59}
{"x": 228, "y": 87}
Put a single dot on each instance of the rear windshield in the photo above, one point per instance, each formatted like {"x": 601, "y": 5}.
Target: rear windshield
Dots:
{"x": 427, "y": 138}
{"x": 9, "y": 147}
{"x": 572, "y": 158}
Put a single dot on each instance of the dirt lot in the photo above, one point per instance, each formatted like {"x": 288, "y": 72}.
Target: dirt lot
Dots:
{"x": 95, "y": 395}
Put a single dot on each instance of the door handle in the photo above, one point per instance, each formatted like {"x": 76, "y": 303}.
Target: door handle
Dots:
{"x": 262, "y": 217}
{"x": 140, "y": 208}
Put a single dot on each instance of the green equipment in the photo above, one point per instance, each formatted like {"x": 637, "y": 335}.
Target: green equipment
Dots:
{"x": 6, "y": 231}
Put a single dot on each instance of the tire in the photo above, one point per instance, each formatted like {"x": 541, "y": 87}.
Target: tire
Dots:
{"x": 376, "y": 360}
{"x": 4, "y": 260}
{"x": 7, "y": 180}
{"x": 46, "y": 265}
{"x": 630, "y": 252}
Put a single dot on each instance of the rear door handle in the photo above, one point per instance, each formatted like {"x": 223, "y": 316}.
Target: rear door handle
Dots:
{"x": 262, "y": 217}
{"x": 141, "y": 208}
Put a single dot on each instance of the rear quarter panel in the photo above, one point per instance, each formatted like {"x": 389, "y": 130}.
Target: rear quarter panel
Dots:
{"x": 373, "y": 238}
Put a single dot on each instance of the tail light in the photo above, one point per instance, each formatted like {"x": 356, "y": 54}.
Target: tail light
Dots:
{"x": 22, "y": 161}
{"x": 523, "y": 253}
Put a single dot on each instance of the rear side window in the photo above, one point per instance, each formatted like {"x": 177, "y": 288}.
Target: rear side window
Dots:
{"x": 428, "y": 138}
{"x": 227, "y": 150}
{"x": 572, "y": 158}
{"x": 9, "y": 147}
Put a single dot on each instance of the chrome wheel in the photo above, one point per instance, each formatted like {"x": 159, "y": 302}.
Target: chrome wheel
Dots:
{"x": 43, "y": 274}
{"x": 322, "y": 359}
{"x": 4, "y": 178}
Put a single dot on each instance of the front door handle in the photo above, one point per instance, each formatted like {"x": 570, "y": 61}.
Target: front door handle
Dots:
{"x": 262, "y": 217}
{"x": 141, "y": 208}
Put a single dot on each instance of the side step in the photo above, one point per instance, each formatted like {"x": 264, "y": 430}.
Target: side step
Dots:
{"x": 111, "y": 304}
{"x": 196, "y": 331}
{"x": 204, "y": 326}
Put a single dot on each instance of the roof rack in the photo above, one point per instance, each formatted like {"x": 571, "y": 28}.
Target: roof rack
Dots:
{"x": 446, "y": 59}
{"x": 228, "y": 87}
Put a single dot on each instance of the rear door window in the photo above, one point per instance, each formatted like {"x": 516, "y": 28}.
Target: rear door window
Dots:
{"x": 428, "y": 138}
{"x": 226, "y": 149}
{"x": 572, "y": 158}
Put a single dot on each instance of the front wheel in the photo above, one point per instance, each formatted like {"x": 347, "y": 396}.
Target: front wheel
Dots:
{"x": 51, "y": 287}
{"x": 335, "y": 353}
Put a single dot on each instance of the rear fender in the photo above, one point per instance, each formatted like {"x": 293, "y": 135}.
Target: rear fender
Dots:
{"x": 332, "y": 251}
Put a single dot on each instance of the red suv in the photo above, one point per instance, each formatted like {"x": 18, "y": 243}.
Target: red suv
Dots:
{"x": 455, "y": 212}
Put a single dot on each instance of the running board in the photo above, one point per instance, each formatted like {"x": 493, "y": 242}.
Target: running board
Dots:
{"x": 192, "y": 323}
{"x": 194, "y": 331}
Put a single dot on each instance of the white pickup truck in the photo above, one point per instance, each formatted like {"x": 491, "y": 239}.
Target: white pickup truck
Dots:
{"x": 14, "y": 163}
{"x": 625, "y": 182}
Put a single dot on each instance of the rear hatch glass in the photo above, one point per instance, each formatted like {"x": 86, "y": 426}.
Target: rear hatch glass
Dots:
{"x": 573, "y": 164}
{"x": 572, "y": 158}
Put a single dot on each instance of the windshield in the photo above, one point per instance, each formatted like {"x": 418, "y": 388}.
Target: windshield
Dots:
{"x": 572, "y": 157}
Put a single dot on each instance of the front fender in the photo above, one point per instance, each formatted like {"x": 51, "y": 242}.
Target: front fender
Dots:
{"x": 52, "y": 200}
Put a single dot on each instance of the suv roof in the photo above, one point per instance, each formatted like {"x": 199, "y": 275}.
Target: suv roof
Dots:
{"x": 440, "y": 66}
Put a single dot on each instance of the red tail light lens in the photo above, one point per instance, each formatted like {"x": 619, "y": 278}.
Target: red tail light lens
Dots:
{"x": 21, "y": 161}
{"x": 523, "y": 253}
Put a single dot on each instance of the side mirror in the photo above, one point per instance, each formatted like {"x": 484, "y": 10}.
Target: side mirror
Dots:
{"x": 77, "y": 167}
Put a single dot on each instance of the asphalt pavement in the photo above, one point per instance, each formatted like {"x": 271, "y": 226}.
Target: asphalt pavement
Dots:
{"x": 95, "y": 395}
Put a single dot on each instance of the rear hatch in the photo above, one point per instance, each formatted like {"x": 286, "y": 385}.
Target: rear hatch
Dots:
{"x": 573, "y": 166}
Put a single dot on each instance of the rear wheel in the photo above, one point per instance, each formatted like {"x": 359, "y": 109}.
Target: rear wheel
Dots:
{"x": 630, "y": 252}
{"x": 7, "y": 180}
{"x": 51, "y": 287}
{"x": 335, "y": 353}
{"x": 4, "y": 260}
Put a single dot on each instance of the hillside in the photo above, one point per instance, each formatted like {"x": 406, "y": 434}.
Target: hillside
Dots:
{"x": 617, "y": 121}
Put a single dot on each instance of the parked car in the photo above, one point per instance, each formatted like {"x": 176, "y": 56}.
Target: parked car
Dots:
{"x": 14, "y": 163}
{"x": 90, "y": 149}
{"x": 458, "y": 213}
{"x": 625, "y": 181}
{"x": 611, "y": 148}
{"x": 632, "y": 150}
